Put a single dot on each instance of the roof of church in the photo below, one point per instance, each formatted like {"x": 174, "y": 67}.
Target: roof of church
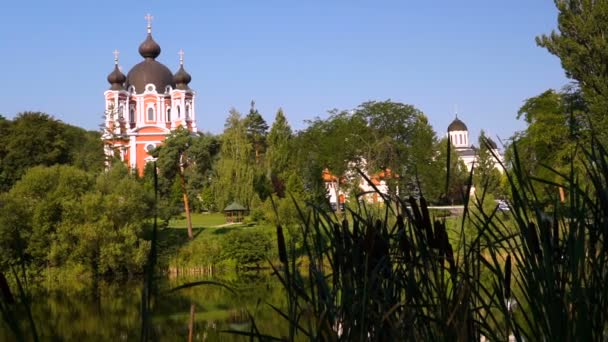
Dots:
{"x": 182, "y": 77}
{"x": 492, "y": 144}
{"x": 149, "y": 70}
{"x": 116, "y": 79}
{"x": 457, "y": 125}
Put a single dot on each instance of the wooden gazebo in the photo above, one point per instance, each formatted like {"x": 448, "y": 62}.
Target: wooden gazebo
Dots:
{"x": 234, "y": 212}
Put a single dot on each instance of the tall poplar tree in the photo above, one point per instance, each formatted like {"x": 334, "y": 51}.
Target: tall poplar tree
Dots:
{"x": 257, "y": 130}
{"x": 278, "y": 154}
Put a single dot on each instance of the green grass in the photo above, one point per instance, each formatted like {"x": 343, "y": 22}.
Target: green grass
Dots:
{"x": 199, "y": 220}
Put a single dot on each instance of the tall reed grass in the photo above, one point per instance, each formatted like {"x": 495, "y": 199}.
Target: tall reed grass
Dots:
{"x": 540, "y": 273}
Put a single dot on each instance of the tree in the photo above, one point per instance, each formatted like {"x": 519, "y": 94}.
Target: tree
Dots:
{"x": 61, "y": 216}
{"x": 452, "y": 178}
{"x": 582, "y": 47}
{"x": 279, "y": 157}
{"x": 333, "y": 144}
{"x": 257, "y": 130}
{"x": 486, "y": 176}
{"x": 203, "y": 154}
{"x": 35, "y": 138}
{"x": 172, "y": 160}
{"x": 401, "y": 140}
{"x": 557, "y": 125}
{"x": 234, "y": 171}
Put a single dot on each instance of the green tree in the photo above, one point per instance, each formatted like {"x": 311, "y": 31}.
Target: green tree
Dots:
{"x": 234, "y": 172}
{"x": 247, "y": 247}
{"x": 172, "y": 160}
{"x": 60, "y": 216}
{"x": 555, "y": 126}
{"x": 487, "y": 177}
{"x": 399, "y": 138}
{"x": 257, "y": 130}
{"x": 279, "y": 158}
{"x": 582, "y": 47}
{"x": 35, "y": 138}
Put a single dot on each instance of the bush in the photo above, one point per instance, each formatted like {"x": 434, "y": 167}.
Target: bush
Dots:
{"x": 248, "y": 247}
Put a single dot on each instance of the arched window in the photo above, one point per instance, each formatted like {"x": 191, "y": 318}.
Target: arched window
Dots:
{"x": 460, "y": 139}
{"x": 132, "y": 115}
{"x": 168, "y": 114}
{"x": 150, "y": 114}
{"x": 179, "y": 112}
{"x": 187, "y": 111}
{"x": 120, "y": 112}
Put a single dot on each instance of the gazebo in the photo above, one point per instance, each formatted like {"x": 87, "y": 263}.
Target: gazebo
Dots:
{"x": 234, "y": 212}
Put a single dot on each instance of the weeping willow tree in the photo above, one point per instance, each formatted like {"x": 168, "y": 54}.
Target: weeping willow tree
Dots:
{"x": 234, "y": 172}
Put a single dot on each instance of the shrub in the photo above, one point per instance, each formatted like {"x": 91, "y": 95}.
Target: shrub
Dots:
{"x": 248, "y": 247}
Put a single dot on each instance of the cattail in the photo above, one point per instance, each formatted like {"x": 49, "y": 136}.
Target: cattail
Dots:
{"x": 508, "y": 277}
{"x": 416, "y": 212}
{"x": 281, "y": 242}
{"x": 400, "y": 224}
{"x": 6, "y": 291}
{"x": 533, "y": 238}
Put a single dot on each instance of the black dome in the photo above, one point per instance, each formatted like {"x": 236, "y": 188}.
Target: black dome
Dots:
{"x": 182, "y": 78}
{"x": 457, "y": 125}
{"x": 149, "y": 48}
{"x": 117, "y": 79}
{"x": 150, "y": 71}
{"x": 492, "y": 143}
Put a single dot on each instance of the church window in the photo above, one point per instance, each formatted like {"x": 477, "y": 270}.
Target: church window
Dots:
{"x": 178, "y": 112}
{"x": 187, "y": 112}
{"x": 150, "y": 114}
{"x": 168, "y": 114}
{"x": 132, "y": 115}
{"x": 120, "y": 112}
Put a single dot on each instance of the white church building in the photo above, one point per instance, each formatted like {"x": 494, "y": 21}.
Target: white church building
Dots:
{"x": 458, "y": 134}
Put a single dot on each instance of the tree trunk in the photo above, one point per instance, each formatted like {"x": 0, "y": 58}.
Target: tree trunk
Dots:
{"x": 191, "y": 323}
{"x": 186, "y": 204}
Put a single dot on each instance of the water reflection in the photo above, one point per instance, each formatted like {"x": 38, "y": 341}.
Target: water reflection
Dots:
{"x": 111, "y": 311}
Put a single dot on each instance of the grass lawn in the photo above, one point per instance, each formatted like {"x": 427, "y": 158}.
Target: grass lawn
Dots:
{"x": 209, "y": 232}
{"x": 199, "y": 220}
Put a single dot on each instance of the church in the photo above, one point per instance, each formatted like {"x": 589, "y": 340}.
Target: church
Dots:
{"x": 144, "y": 106}
{"x": 458, "y": 134}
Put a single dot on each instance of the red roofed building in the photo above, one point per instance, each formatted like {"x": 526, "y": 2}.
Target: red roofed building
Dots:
{"x": 143, "y": 107}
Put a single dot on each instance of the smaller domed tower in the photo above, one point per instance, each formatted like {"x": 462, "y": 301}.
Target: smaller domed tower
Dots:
{"x": 144, "y": 106}
{"x": 458, "y": 133}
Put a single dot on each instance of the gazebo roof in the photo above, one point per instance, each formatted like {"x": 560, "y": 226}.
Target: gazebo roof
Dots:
{"x": 235, "y": 206}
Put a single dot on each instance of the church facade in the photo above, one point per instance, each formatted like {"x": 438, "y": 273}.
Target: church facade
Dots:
{"x": 458, "y": 134}
{"x": 144, "y": 106}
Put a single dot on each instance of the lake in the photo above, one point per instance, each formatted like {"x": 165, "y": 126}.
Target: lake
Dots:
{"x": 110, "y": 311}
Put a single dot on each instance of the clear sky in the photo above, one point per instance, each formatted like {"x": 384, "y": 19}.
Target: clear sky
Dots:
{"x": 304, "y": 56}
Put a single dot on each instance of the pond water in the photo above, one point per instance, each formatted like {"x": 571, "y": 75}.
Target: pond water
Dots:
{"x": 110, "y": 311}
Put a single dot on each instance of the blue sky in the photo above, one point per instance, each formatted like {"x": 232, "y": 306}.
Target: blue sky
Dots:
{"x": 304, "y": 56}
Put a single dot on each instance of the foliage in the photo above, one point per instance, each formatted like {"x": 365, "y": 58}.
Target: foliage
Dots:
{"x": 248, "y": 247}
{"x": 234, "y": 171}
{"x": 60, "y": 216}
{"x": 35, "y": 138}
{"x": 486, "y": 177}
{"x": 581, "y": 45}
{"x": 257, "y": 130}
{"x": 555, "y": 126}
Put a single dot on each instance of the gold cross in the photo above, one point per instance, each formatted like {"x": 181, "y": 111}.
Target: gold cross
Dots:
{"x": 116, "y": 53}
{"x": 149, "y": 18}
{"x": 181, "y": 56}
